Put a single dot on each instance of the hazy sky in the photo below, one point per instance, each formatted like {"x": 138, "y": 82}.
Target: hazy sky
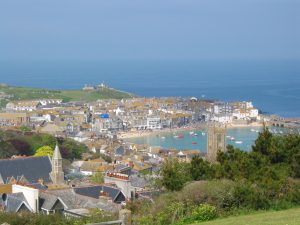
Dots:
{"x": 152, "y": 29}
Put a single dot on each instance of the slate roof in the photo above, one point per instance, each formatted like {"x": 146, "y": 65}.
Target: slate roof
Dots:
{"x": 15, "y": 201}
{"x": 47, "y": 200}
{"x": 120, "y": 151}
{"x": 32, "y": 168}
{"x": 94, "y": 192}
{"x": 75, "y": 201}
{"x": 137, "y": 181}
{"x": 121, "y": 167}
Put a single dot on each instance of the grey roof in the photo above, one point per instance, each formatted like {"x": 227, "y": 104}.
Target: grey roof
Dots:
{"x": 121, "y": 167}
{"x": 137, "y": 181}
{"x": 15, "y": 201}
{"x": 47, "y": 201}
{"x": 32, "y": 168}
{"x": 120, "y": 151}
{"x": 75, "y": 201}
{"x": 94, "y": 192}
{"x": 39, "y": 186}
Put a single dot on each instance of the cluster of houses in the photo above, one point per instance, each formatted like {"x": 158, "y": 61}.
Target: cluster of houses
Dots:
{"x": 113, "y": 116}
{"x": 40, "y": 185}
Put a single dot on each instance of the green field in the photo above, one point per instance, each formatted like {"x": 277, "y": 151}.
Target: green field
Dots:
{"x": 284, "y": 217}
{"x": 24, "y": 93}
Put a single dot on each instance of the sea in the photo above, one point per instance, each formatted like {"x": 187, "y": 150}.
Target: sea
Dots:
{"x": 241, "y": 137}
{"x": 272, "y": 85}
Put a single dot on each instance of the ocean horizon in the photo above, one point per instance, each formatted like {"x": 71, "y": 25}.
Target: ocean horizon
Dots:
{"x": 272, "y": 85}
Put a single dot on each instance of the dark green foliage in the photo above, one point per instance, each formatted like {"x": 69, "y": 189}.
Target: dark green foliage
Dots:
{"x": 55, "y": 219}
{"x": 19, "y": 143}
{"x": 7, "y": 149}
{"x": 200, "y": 169}
{"x": 174, "y": 174}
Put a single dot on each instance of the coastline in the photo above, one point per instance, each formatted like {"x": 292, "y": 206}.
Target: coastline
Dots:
{"x": 143, "y": 133}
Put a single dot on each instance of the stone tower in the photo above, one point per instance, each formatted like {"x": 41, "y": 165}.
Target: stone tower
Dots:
{"x": 216, "y": 141}
{"x": 57, "y": 174}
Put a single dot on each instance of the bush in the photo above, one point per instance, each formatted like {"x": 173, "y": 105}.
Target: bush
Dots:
{"x": 204, "y": 212}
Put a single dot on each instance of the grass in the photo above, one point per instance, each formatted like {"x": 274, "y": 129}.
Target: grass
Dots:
{"x": 24, "y": 93}
{"x": 284, "y": 217}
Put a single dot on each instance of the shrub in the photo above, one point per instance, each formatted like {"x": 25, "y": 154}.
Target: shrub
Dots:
{"x": 204, "y": 212}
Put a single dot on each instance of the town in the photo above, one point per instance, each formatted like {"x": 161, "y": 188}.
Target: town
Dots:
{"x": 112, "y": 171}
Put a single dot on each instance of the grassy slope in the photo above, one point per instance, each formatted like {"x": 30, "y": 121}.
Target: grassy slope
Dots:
{"x": 284, "y": 217}
{"x": 24, "y": 93}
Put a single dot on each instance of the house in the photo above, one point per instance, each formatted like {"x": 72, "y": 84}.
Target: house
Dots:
{"x": 32, "y": 170}
{"x": 14, "y": 119}
{"x": 91, "y": 167}
{"x": 25, "y": 169}
{"x": 17, "y": 203}
{"x": 52, "y": 129}
{"x": 65, "y": 201}
{"x": 97, "y": 192}
{"x": 26, "y": 105}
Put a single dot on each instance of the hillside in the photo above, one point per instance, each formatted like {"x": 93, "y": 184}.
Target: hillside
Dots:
{"x": 26, "y": 93}
{"x": 284, "y": 217}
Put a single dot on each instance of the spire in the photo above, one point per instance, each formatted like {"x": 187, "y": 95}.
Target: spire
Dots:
{"x": 57, "y": 174}
{"x": 56, "y": 154}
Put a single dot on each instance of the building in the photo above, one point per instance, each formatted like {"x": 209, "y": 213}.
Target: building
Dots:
{"x": 216, "y": 141}
{"x": 57, "y": 174}
{"x": 30, "y": 105}
{"x": 153, "y": 123}
{"x": 25, "y": 170}
{"x": 14, "y": 119}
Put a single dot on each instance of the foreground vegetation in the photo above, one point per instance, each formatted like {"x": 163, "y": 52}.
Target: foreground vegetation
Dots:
{"x": 267, "y": 178}
{"x": 26, "y": 93}
{"x": 29, "y": 144}
{"x": 54, "y": 219}
{"x": 283, "y": 217}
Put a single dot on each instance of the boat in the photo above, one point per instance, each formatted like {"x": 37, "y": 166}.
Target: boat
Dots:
{"x": 195, "y": 134}
{"x": 239, "y": 142}
{"x": 180, "y": 136}
{"x": 175, "y": 136}
{"x": 232, "y": 138}
{"x": 252, "y": 130}
{"x": 163, "y": 137}
{"x": 203, "y": 133}
{"x": 192, "y": 132}
{"x": 228, "y": 136}
{"x": 194, "y": 142}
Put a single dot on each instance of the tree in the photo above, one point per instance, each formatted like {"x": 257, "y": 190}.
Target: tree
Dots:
{"x": 21, "y": 146}
{"x": 174, "y": 174}
{"x": 200, "y": 169}
{"x": 263, "y": 142}
{"x": 44, "y": 151}
{"x": 98, "y": 178}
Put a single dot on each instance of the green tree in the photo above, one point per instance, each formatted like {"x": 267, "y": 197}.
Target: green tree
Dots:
{"x": 200, "y": 169}
{"x": 98, "y": 178}
{"x": 263, "y": 143}
{"x": 44, "y": 151}
{"x": 174, "y": 174}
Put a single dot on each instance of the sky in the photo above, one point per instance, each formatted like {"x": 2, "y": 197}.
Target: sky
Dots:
{"x": 149, "y": 29}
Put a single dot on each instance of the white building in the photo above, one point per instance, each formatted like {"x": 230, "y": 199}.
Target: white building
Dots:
{"x": 153, "y": 123}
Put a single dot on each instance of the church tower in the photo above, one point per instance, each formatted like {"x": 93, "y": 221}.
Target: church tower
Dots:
{"x": 216, "y": 141}
{"x": 57, "y": 174}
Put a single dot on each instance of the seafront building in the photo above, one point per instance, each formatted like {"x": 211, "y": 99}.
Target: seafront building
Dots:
{"x": 114, "y": 116}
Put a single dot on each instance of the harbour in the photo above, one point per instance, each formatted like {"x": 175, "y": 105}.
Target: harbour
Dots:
{"x": 240, "y": 137}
